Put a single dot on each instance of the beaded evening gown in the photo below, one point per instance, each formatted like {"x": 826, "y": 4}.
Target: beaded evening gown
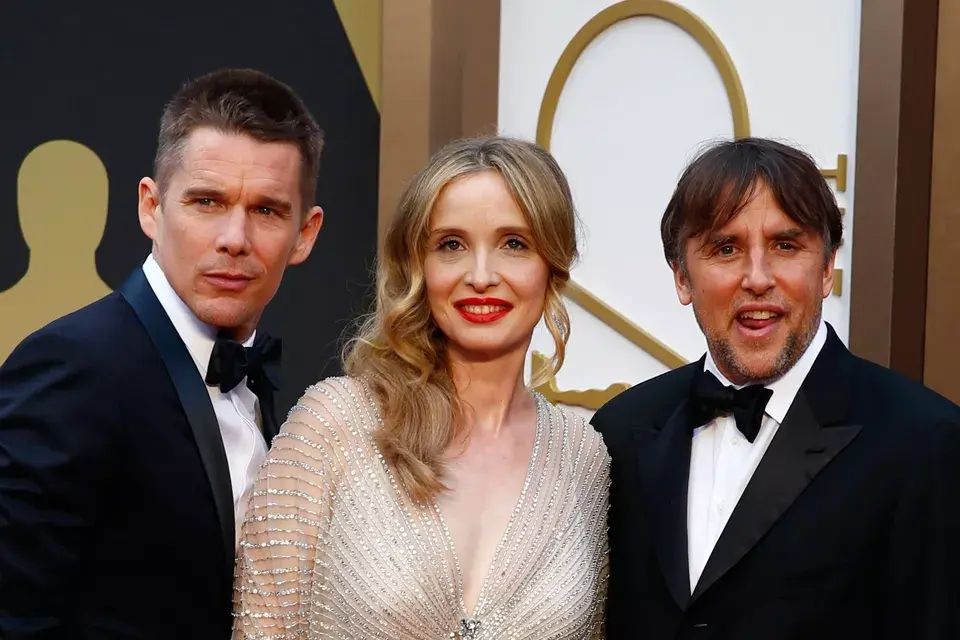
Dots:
{"x": 334, "y": 548}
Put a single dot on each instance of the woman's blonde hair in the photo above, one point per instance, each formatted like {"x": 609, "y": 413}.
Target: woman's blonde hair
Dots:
{"x": 399, "y": 349}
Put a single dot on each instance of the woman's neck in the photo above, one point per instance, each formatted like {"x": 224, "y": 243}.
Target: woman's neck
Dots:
{"x": 492, "y": 391}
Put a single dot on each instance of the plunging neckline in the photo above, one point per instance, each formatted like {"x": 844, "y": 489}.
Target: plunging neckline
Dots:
{"x": 521, "y": 499}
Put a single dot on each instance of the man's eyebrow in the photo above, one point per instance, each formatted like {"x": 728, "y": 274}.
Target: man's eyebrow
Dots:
{"x": 789, "y": 234}
{"x": 720, "y": 239}
{"x": 193, "y": 193}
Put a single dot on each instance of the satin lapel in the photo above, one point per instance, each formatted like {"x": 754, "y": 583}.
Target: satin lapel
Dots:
{"x": 663, "y": 458}
{"x": 270, "y": 428}
{"x": 193, "y": 397}
{"x": 799, "y": 451}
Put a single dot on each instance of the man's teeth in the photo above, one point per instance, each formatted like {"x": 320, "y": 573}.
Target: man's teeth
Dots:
{"x": 758, "y": 315}
{"x": 482, "y": 310}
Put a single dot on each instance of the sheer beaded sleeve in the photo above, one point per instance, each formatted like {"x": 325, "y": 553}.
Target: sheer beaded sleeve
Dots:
{"x": 279, "y": 566}
{"x": 600, "y": 612}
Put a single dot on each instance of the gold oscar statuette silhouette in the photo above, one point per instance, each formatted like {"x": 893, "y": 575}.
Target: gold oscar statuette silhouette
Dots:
{"x": 62, "y": 191}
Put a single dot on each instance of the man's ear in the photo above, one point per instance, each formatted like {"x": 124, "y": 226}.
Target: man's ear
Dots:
{"x": 681, "y": 280}
{"x": 149, "y": 207}
{"x": 829, "y": 272}
{"x": 307, "y": 236}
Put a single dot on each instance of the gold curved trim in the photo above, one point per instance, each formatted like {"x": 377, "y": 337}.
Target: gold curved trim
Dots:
{"x": 668, "y": 11}
{"x": 590, "y": 398}
{"x": 596, "y": 398}
{"x": 710, "y": 43}
{"x": 623, "y": 325}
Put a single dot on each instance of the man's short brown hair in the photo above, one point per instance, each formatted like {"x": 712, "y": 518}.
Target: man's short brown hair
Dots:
{"x": 723, "y": 179}
{"x": 242, "y": 101}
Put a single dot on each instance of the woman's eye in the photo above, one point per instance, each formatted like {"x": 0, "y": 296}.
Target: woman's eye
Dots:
{"x": 516, "y": 244}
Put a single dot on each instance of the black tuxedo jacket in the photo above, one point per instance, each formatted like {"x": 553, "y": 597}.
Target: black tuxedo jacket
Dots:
{"x": 849, "y": 527}
{"x": 116, "y": 509}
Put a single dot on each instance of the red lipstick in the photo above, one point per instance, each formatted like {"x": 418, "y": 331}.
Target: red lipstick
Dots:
{"x": 482, "y": 310}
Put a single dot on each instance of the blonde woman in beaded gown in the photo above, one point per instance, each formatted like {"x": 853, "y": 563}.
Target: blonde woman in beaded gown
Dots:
{"x": 430, "y": 493}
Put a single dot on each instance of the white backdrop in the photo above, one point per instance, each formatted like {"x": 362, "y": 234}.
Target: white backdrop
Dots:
{"x": 639, "y": 102}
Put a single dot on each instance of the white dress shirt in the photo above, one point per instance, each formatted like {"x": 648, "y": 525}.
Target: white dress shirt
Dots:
{"x": 236, "y": 411}
{"x": 722, "y": 461}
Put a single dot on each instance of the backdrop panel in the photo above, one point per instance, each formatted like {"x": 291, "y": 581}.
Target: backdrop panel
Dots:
{"x": 84, "y": 91}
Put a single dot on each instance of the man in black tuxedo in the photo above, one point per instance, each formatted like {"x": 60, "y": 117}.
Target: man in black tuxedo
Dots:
{"x": 131, "y": 430}
{"x": 779, "y": 488}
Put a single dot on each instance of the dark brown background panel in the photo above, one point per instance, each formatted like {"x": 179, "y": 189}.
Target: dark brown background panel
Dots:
{"x": 898, "y": 41}
{"x": 918, "y": 86}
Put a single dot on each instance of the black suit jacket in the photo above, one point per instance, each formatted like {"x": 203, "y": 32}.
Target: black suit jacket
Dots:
{"x": 116, "y": 509}
{"x": 849, "y": 527}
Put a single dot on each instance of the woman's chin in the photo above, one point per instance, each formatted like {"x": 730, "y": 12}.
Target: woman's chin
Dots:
{"x": 486, "y": 348}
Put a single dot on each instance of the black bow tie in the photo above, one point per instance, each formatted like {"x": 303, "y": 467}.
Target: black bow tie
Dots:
{"x": 231, "y": 362}
{"x": 711, "y": 398}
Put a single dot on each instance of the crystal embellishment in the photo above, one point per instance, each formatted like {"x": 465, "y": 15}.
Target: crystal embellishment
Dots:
{"x": 469, "y": 628}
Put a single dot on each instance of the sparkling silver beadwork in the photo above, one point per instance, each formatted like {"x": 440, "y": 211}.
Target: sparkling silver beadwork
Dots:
{"x": 332, "y": 546}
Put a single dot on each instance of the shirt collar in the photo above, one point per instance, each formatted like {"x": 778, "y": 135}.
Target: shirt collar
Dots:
{"x": 786, "y": 387}
{"x": 198, "y": 336}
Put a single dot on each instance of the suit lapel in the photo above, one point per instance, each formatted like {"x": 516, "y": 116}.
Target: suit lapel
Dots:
{"x": 270, "y": 428}
{"x": 811, "y": 435}
{"x": 193, "y": 397}
{"x": 663, "y": 459}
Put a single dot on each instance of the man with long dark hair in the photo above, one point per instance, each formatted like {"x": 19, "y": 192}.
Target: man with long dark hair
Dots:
{"x": 779, "y": 488}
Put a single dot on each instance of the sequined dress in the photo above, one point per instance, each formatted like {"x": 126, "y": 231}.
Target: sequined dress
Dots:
{"x": 334, "y": 548}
